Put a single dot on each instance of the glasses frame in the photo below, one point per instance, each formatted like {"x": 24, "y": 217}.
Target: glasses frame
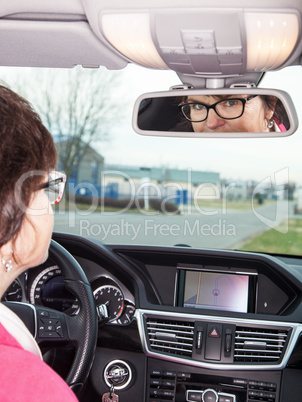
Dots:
{"x": 208, "y": 107}
{"x": 60, "y": 179}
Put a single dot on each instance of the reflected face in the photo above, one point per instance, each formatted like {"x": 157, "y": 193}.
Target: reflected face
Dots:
{"x": 254, "y": 118}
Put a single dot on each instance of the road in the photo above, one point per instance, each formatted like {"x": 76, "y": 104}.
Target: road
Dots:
{"x": 202, "y": 228}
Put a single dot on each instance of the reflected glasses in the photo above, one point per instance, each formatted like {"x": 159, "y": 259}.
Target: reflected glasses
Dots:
{"x": 227, "y": 109}
{"x": 54, "y": 188}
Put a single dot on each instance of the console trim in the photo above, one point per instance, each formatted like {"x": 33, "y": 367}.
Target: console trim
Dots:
{"x": 296, "y": 330}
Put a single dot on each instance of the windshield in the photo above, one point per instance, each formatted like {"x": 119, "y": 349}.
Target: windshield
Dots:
{"x": 131, "y": 189}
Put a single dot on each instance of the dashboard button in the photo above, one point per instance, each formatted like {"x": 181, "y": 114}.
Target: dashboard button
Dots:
{"x": 157, "y": 393}
{"x": 213, "y": 342}
{"x": 156, "y": 373}
{"x": 239, "y": 381}
{"x": 209, "y": 395}
{"x": 193, "y": 396}
{"x": 183, "y": 375}
{"x": 223, "y": 398}
{"x": 171, "y": 374}
{"x": 168, "y": 394}
{"x": 168, "y": 383}
{"x": 155, "y": 382}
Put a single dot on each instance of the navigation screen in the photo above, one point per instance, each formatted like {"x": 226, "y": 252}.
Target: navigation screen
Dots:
{"x": 217, "y": 291}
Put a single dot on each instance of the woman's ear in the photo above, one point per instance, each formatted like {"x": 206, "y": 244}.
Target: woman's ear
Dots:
{"x": 271, "y": 109}
{"x": 269, "y": 115}
{"x": 6, "y": 251}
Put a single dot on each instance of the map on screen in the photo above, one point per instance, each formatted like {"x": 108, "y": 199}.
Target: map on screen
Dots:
{"x": 217, "y": 291}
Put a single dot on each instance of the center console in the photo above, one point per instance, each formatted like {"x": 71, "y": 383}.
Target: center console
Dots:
{"x": 179, "y": 383}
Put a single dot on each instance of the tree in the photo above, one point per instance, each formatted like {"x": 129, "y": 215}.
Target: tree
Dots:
{"x": 76, "y": 105}
{"x": 290, "y": 188}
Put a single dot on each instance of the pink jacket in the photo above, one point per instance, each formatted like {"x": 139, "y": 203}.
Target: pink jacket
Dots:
{"x": 25, "y": 378}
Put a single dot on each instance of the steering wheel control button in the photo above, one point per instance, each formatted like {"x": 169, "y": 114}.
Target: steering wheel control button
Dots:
{"x": 59, "y": 329}
{"x": 209, "y": 395}
{"x": 50, "y": 328}
{"x": 43, "y": 313}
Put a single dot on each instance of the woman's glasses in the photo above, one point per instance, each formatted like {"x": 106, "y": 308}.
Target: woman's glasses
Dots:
{"x": 55, "y": 186}
{"x": 227, "y": 109}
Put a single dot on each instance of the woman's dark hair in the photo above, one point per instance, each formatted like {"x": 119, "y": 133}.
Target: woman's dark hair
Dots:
{"x": 25, "y": 146}
{"x": 273, "y": 103}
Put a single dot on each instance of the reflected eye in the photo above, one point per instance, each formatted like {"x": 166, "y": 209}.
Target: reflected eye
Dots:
{"x": 198, "y": 107}
{"x": 230, "y": 103}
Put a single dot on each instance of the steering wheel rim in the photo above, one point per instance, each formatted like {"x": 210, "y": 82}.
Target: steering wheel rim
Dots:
{"x": 79, "y": 331}
{"x": 82, "y": 328}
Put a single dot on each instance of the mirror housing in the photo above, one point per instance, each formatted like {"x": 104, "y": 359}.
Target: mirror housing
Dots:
{"x": 162, "y": 113}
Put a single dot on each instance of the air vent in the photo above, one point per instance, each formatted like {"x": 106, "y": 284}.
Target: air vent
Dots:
{"x": 259, "y": 344}
{"x": 172, "y": 337}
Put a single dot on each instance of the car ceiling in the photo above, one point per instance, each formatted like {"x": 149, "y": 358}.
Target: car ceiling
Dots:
{"x": 65, "y": 33}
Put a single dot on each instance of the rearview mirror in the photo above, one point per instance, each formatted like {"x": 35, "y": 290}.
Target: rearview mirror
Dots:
{"x": 223, "y": 113}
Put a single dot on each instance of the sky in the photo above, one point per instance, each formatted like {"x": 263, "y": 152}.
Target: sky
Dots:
{"x": 234, "y": 159}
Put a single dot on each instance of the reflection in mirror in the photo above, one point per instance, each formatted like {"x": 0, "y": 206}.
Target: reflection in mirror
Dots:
{"x": 214, "y": 113}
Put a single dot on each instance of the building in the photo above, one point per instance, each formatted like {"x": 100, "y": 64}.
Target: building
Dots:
{"x": 180, "y": 185}
{"x": 89, "y": 169}
{"x": 90, "y": 177}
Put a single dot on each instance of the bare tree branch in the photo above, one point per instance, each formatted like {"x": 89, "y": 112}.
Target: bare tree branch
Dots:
{"x": 77, "y": 106}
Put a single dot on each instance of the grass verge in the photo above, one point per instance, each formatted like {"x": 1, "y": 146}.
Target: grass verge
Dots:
{"x": 238, "y": 205}
{"x": 273, "y": 241}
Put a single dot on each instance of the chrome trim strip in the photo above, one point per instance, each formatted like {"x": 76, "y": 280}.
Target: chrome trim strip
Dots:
{"x": 296, "y": 331}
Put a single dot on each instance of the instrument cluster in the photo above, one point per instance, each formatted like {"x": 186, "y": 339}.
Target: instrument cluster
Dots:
{"x": 44, "y": 286}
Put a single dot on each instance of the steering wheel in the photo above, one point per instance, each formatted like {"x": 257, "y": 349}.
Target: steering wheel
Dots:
{"x": 53, "y": 328}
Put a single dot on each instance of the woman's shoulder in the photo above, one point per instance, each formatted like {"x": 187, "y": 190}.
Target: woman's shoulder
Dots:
{"x": 25, "y": 377}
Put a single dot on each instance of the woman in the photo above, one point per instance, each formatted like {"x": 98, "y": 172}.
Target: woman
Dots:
{"x": 240, "y": 113}
{"x": 27, "y": 154}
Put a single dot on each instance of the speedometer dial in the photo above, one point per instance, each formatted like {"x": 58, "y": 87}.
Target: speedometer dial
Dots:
{"x": 112, "y": 298}
{"x": 48, "y": 290}
{"x": 14, "y": 292}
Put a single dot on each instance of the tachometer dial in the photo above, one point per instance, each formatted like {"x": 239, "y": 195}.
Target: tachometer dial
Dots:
{"x": 48, "y": 290}
{"x": 112, "y": 298}
{"x": 127, "y": 315}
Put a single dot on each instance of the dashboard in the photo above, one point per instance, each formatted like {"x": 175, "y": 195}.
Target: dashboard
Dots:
{"x": 44, "y": 286}
{"x": 180, "y": 324}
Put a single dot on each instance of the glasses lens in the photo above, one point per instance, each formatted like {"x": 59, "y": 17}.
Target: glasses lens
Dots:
{"x": 56, "y": 187}
{"x": 195, "y": 112}
{"x": 230, "y": 108}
